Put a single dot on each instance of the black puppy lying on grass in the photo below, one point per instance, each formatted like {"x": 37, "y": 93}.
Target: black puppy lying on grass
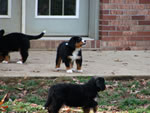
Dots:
{"x": 75, "y": 95}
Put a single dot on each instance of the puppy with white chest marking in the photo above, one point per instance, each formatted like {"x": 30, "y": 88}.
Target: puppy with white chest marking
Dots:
{"x": 68, "y": 52}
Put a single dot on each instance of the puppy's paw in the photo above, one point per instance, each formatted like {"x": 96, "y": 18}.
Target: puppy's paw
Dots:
{"x": 5, "y": 62}
{"x": 69, "y": 71}
{"x": 19, "y": 62}
{"x": 79, "y": 71}
{"x": 57, "y": 69}
{"x": 74, "y": 70}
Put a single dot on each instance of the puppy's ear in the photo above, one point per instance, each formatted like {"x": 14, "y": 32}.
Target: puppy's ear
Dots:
{"x": 2, "y": 32}
{"x": 72, "y": 42}
{"x": 100, "y": 83}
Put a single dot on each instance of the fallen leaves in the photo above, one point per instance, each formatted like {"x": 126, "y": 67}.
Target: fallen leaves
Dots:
{"x": 3, "y": 108}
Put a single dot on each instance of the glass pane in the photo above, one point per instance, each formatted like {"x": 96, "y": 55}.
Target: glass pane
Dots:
{"x": 56, "y": 7}
{"x": 43, "y": 7}
{"x": 3, "y": 7}
{"x": 69, "y": 7}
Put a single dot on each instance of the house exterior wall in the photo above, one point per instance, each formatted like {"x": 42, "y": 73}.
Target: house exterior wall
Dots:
{"x": 124, "y": 24}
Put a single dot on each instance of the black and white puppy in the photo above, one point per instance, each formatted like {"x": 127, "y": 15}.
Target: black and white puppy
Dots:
{"x": 68, "y": 52}
{"x": 75, "y": 95}
{"x": 16, "y": 42}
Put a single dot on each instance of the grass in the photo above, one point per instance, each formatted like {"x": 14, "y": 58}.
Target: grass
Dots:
{"x": 120, "y": 95}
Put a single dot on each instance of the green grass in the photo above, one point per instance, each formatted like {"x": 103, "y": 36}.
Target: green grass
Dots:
{"x": 121, "y": 95}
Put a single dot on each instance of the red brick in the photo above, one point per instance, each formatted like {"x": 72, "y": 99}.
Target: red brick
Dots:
{"x": 125, "y": 6}
{"x": 103, "y": 33}
{"x": 147, "y": 17}
{"x": 122, "y": 17}
{"x": 138, "y": 17}
{"x": 123, "y": 28}
{"x": 116, "y": 12}
{"x": 115, "y": 33}
{"x": 104, "y": 1}
{"x": 107, "y": 28}
{"x": 117, "y": 1}
{"x": 88, "y": 44}
{"x": 108, "y": 38}
{"x": 143, "y": 12}
{"x": 144, "y": 1}
{"x": 128, "y": 12}
{"x": 93, "y": 44}
{"x": 139, "y": 7}
{"x": 104, "y": 12}
{"x": 107, "y": 17}
{"x": 103, "y": 22}
{"x": 123, "y": 23}
{"x": 135, "y": 38}
{"x": 129, "y": 33}
{"x": 131, "y": 1}
{"x": 146, "y": 38}
{"x": 97, "y": 43}
{"x": 144, "y": 22}
{"x": 108, "y": 6}
{"x": 143, "y": 33}
{"x": 53, "y": 45}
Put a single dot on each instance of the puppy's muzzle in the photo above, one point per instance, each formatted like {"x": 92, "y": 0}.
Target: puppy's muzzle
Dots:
{"x": 83, "y": 42}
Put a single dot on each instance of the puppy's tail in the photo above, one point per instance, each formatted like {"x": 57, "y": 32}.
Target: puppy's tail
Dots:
{"x": 30, "y": 37}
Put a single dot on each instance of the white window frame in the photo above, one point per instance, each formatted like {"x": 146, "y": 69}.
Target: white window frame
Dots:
{"x": 53, "y": 16}
{"x": 9, "y": 11}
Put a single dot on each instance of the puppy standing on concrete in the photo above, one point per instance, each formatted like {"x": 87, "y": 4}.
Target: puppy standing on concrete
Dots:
{"x": 16, "y": 42}
{"x": 75, "y": 95}
{"x": 70, "y": 51}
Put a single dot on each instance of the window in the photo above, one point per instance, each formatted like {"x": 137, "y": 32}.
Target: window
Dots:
{"x": 5, "y": 8}
{"x": 57, "y": 8}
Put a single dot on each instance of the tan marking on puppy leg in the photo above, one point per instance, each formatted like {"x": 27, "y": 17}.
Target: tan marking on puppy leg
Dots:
{"x": 59, "y": 62}
{"x": 7, "y": 58}
{"x": 1, "y": 58}
{"x": 95, "y": 109}
{"x": 71, "y": 65}
{"x": 68, "y": 68}
{"x": 86, "y": 110}
{"x": 78, "y": 67}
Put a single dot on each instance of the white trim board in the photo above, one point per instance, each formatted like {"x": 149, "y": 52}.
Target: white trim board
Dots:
{"x": 58, "y": 17}
{"x": 23, "y": 16}
{"x": 9, "y": 11}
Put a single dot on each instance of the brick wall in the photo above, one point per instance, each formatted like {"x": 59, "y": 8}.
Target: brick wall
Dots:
{"x": 125, "y": 24}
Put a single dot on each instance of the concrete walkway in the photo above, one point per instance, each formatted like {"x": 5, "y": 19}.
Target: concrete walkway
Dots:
{"x": 100, "y": 63}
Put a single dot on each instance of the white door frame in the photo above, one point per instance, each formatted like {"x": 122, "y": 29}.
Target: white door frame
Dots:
{"x": 23, "y": 24}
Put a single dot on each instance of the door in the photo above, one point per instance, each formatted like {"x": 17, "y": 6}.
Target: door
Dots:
{"x": 57, "y": 17}
{"x": 10, "y": 15}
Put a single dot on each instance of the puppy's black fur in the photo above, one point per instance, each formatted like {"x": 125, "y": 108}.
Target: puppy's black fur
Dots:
{"x": 70, "y": 51}
{"x": 2, "y": 33}
{"x": 16, "y": 42}
{"x": 75, "y": 95}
